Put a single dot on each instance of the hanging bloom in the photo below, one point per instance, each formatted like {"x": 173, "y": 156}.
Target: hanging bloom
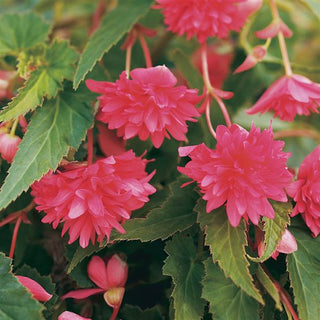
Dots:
{"x": 37, "y": 291}
{"x": 67, "y": 315}
{"x": 257, "y": 55}
{"x": 219, "y": 62}
{"x": 93, "y": 199}
{"x": 147, "y": 105}
{"x": 110, "y": 277}
{"x": 306, "y": 191}
{"x": 244, "y": 170}
{"x": 289, "y": 96}
{"x": 203, "y": 18}
{"x": 273, "y": 29}
{"x": 8, "y": 146}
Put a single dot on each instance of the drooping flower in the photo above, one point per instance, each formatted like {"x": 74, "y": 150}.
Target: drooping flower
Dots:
{"x": 110, "y": 277}
{"x": 273, "y": 29}
{"x": 37, "y": 291}
{"x": 149, "y": 104}
{"x": 306, "y": 191}
{"x": 245, "y": 170}
{"x": 203, "y": 18}
{"x": 8, "y": 146}
{"x": 219, "y": 62}
{"x": 67, "y": 315}
{"x": 92, "y": 199}
{"x": 289, "y": 96}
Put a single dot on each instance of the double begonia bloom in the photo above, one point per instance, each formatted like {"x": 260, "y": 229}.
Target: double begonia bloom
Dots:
{"x": 8, "y": 146}
{"x": 204, "y": 18}
{"x": 149, "y": 104}
{"x": 93, "y": 199}
{"x": 110, "y": 277}
{"x": 289, "y": 96}
{"x": 37, "y": 291}
{"x": 306, "y": 191}
{"x": 244, "y": 170}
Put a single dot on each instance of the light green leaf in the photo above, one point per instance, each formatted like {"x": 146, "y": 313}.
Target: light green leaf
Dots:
{"x": 227, "y": 246}
{"x": 227, "y": 301}
{"x": 112, "y": 28}
{"x": 304, "y": 271}
{"x": 274, "y": 228}
{"x": 175, "y": 214}
{"x": 59, "y": 124}
{"x": 21, "y": 31}
{"x": 186, "y": 272}
{"x": 129, "y": 312}
{"x": 269, "y": 286}
{"x": 16, "y": 302}
{"x": 43, "y": 82}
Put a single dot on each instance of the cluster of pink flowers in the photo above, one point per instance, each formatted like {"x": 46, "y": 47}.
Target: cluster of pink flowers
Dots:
{"x": 93, "y": 199}
{"x": 244, "y": 170}
{"x": 149, "y": 104}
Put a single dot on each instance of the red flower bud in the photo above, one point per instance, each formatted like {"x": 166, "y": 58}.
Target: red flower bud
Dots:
{"x": 8, "y": 146}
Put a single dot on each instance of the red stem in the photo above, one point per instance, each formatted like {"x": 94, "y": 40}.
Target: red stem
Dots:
{"x": 12, "y": 216}
{"x": 208, "y": 118}
{"x": 14, "y": 237}
{"x": 97, "y": 16}
{"x": 146, "y": 51}
{"x": 114, "y": 313}
{"x": 90, "y": 146}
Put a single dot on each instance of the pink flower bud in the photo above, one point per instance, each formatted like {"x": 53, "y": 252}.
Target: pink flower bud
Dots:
{"x": 273, "y": 29}
{"x": 286, "y": 245}
{"x": 249, "y": 7}
{"x": 37, "y": 291}
{"x": 117, "y": 272}
{"x": 5, "y": 77}
{"x": 67, "y": 315}
{"x": 252, "y": 59}
{"x": 113, "y": 297}
{"x": 8, "y": 146}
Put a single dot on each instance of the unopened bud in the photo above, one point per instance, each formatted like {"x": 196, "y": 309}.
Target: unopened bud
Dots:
{"x": 287, "y": 244}
{"x": 113, "y": 297}
{"x": 8, "y": 146}
{"x": 252, "y": 59}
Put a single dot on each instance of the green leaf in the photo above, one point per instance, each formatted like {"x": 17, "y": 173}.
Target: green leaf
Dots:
{"x": 227, "y": 246}
{"x": 186, "y": 272}
{"x": 21, "y": 31}
{"x": 304, "y": 271}
{"x": 274, "y": 228}
{"x": 227, "y": 301}
{"x": 43, "y": 82}
{"x": 16, "y": 302}
{"x": 176, "y": 214}
{"x": 269, "y": 286}
{"x": 112, "y": 28}
{"x": 129, "y": 312}
{"x": 59, "y": 124}
{"x": 313, "y": 6}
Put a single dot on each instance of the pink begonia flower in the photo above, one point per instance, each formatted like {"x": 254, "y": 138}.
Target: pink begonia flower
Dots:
{"x": 289, "y": 96}
{"x": 218, "y": 62}
{"x": 203, "y": 18}
{"x": 5, "y": 78}
{"x": 92, "y": 199}
{"x": 109, "y": 143}
{"x": 110, "y": 277}
{"x": 287, "y": 244}
{"x": 244, "y": 170}
{"x": 9, "y": 146}
{"x": 67, "y": 315}
{"x": 257, "y": 54}
{"x": 149, "y": 104}
{"x": 37, "y": 291}
{"x": 306, "y": 191}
